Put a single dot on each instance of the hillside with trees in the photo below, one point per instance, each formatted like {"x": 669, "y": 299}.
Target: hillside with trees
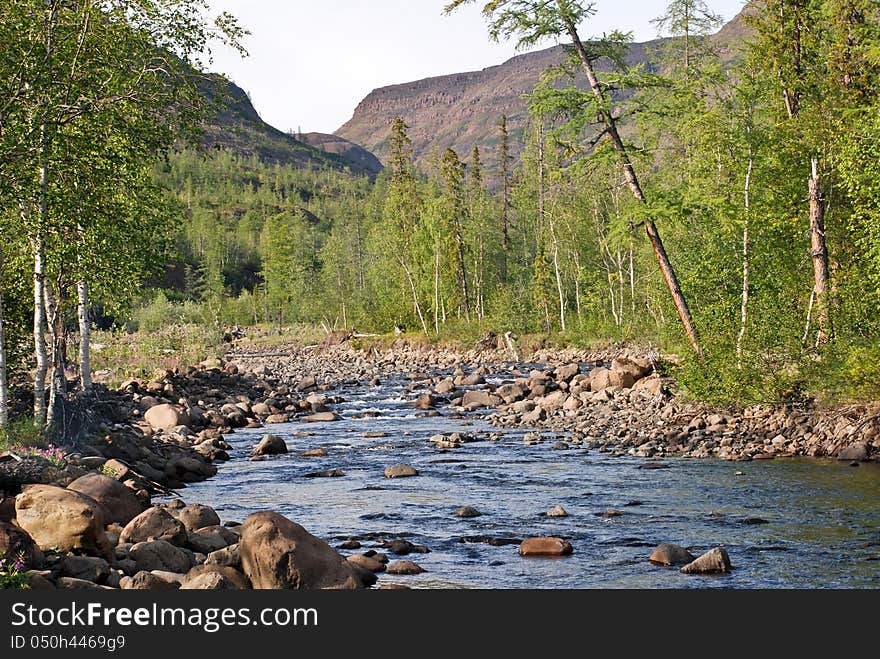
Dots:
{"x": 724, "y": 208}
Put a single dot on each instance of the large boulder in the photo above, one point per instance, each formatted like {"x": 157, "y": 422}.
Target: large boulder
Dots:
{"x": 567, "y": 372}
{"x": 400, "y": 471}
{"x": 119, "y": 502}
{"x": 600, "y": 379}
{"x": 547, "y": 546}
{"x": 277, "y": 553}
{"x": 625, "y": 373}
{"x": 196, "y": 516}
{"x": 476, "y": 398}
{"x": 854, "y": 452}
{"x": 90, "y": 568}
{"x": 714, "y": 561}
{"x": 270, "y": 445}
{"x": 669, "y": 554}
{"x": 15, "y": 542}
{"x": 161, "y": 555}
{"x": 154, "y": 524}
{"x": 166, "y": 417}
{"x": 214, "y": 577}
{"x": 61, "y": 519}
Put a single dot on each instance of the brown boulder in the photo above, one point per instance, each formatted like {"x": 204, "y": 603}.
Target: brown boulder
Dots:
{"x": 90, "y": 568}
{"x": 196, "y": 516}
{"x": 477, "y": 398}
{"x": 277, "y": 553}
{"x": 567, "y": 372}
{"x": 15, "y": 542}
{"x": 58, "y": 518}
{"x": 147, "y": 581}
{"x": 546, "y": 546}
{"x": 400, "y": 471}
{"x": 160, "y": 555}
{"x": 600, "y": 379}
{"x": 669, "y": 554}
{"x": 154, "y": 524}
{"x": 855, "y": 452}
{"x": 166, "y": 417}
{"x": 366, "y": 562}
{"x": 321, "y": 417}
{"x": 120, "y": 503}
{"x": 214, "y": 577}
{"x": 404, "y": 567}
{"x": 714, "y": 561}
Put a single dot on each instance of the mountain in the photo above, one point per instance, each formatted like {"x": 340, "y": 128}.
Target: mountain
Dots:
{"x": 235, "y": 125}
{"x": 463, "y": 109}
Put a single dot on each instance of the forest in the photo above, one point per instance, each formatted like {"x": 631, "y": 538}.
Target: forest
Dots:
{"x": 728, "y": 212}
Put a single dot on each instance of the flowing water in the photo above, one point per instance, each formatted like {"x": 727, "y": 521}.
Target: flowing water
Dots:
{"x": 793, "y": 523}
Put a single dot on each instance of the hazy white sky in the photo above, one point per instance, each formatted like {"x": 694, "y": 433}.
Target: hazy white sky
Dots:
{"x": 312, "y": 61}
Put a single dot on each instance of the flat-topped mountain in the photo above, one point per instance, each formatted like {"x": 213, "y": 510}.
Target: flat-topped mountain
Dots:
{"x": 463, "y": 109}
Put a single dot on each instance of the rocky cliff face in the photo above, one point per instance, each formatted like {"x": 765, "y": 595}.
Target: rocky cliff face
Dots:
{"x": 463, "y": 109}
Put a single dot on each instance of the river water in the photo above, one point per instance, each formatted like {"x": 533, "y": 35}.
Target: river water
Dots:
{"x": 786, "y": 523}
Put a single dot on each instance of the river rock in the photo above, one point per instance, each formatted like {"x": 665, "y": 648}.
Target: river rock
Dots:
{"x": 714, "y": 561}
{"x": 205, "y": 542}
{"x": 567, "y": 372}
{"x": 426, "y": 402}
{"x": 545, "y": 546}
{"x": 90, "y": 568}
{"x": 15, "y": 541}
{"x": 366, "y": 562}
{"x": 214, "y": 577}
{"x": 400, "y": 471}
{"x": 446, "y": 386}
{"x": 557, "y": 511}
{"x": 277, "y": 418}
{"x": 154, "y": 524}
{"x": 600, "y": 379}
{"x": 166, "y": 417}
{"x": 321, "y": 417}
{"x": 314, "y": 453}
{"x": 669, "y": 554}
{"x": 161, "y": 555}
{"x": 270, "y": 445}
{"x": 327, "y": 473}
{"x": 119, "y": 502}
{"x": 467, "y": 511}
{"x": 855, "y": 452}
{"x": 145, "y": 580}
{"x": 72, "y": 583}
{"x": 475, "y": 398}
{"x": 196, "y": 516}
{"x": 404, "y": 567}
{"x": 230, "y": 557}
{"x": 277, "y": 553}
{"x": 61, "y": 519}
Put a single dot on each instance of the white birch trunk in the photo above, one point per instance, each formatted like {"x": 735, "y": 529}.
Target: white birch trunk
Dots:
{"x": 85, "y": 335}
{"x": 746, "y": 250}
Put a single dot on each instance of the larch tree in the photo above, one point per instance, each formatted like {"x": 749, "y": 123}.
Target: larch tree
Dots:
{"x": 533, "y": 21}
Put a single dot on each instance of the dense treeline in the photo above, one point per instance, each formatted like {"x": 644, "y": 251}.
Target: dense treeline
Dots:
{"x": 761, "y": 176}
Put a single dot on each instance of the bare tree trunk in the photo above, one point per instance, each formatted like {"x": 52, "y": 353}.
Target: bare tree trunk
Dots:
{"x": 632, "y": 182}
{"x": 746, "y": 251}
{"x": 819, "y": 254}
{"x": 4, "y": 388}
{"x": 85, "y": 333}
{"x": 558, "y": 273}
{"x": 632, "y": 283}
{"x": 436, "y": 291}
{"x": 40, "y": 353}
{"x": 412, "y": 285}
{"x": 58, "y": 353}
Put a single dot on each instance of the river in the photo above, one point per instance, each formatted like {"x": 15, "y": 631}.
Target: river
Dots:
{"x": 786, "y": 523}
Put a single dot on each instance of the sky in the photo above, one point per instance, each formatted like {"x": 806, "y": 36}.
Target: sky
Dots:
{"x": 312, "y": 61}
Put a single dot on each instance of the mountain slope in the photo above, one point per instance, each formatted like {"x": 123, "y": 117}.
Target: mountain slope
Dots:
{"x": 463, "y": 109}
{"x": 235, "y": 125}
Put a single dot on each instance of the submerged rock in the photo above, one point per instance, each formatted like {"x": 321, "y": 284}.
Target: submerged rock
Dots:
{"x": 545, "y": 546}
{"x": 669, "y": 554}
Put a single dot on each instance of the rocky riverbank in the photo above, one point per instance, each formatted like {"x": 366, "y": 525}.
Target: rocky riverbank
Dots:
{"x": 88, "y": 521}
